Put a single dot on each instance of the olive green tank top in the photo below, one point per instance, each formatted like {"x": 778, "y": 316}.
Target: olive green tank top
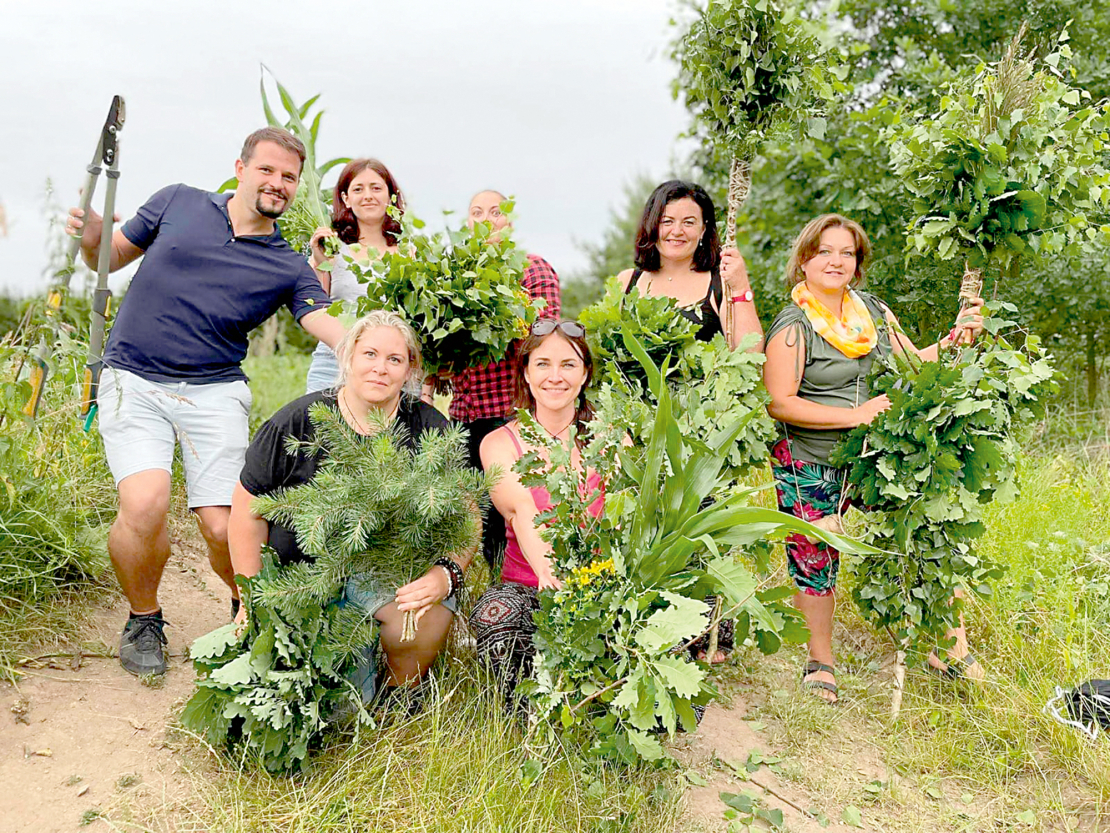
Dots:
{"x": 828, "y": 378}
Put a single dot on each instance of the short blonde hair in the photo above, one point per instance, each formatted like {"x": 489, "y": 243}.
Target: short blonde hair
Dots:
{"x": 809, "y": 240}
{"x": 345, "y": 350}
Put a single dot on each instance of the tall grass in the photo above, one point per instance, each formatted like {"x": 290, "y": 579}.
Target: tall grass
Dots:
{"x": 56, "y": 499}
{"x": 1046, "y": 626}
{"x": 275, "y": 381}
{"x": 460, "y": 765}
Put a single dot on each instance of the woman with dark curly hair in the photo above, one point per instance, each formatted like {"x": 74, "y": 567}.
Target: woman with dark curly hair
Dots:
{"x": 359, "y": 217}
{"x": 679, "y": 256}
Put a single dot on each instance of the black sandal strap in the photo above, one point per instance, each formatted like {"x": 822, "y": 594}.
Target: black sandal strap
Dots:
{"x": 823, "y": 685}
{"x": 955, "y": 669}
{"x": 813, "y": 666}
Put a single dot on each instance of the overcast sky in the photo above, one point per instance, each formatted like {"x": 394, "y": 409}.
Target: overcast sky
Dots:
{"x": 559, "y": 104}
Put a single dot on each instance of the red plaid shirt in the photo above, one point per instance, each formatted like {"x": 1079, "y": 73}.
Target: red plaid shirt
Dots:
{"x": 487, "y": 391}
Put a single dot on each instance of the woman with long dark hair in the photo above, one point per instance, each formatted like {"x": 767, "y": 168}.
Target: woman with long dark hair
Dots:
{"x": 551, "y": 372}
{"x": 678, "y": 255}
{"x": 359, "y": 217}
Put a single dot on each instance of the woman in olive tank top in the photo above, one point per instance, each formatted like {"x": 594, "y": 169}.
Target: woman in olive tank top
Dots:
{"x": 819, "y": 354}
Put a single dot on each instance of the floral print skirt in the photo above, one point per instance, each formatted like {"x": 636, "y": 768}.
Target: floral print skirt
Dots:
{"x": 808, "y": 491}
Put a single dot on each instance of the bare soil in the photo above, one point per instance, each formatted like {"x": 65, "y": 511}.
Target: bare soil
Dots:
{"x": 82, "y": 739}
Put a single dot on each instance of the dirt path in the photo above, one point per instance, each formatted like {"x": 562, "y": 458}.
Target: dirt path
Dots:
{"x": 81, "y": 737}
{"x": 726, "y": 751}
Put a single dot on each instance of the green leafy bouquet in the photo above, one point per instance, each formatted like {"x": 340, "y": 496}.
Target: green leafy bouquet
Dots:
{"x": 1013, "y": 164}
{"x": 610, "y": 663}
{"x": 927, "y": 467}
{"x": 712, "y": 385}
{"x": 375, "y": 511}
{"x": 749, "y": 69}
{"x": 459, "y": 289}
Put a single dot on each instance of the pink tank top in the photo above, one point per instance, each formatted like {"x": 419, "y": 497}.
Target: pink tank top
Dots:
{"x": 516, "y": 567}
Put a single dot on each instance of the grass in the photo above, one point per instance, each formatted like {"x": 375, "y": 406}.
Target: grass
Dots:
{"x": 461, "y": 765}
{"x": 1045, "y": 626}
{"x": 56, "y": 499}
{"x": 275, "y": 381}
{"x": 960, "y": 756}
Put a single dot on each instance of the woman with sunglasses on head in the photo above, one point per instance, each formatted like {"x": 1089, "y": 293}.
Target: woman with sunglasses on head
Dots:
{"x": 678, "y": 256}
{"x": 359, "y": 215}
{"x": 550, "y": 374}
{"x": 819, "y": 353}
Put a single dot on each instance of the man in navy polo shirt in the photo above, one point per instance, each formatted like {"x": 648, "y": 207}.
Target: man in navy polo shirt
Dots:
{"x": 214, "y": 267}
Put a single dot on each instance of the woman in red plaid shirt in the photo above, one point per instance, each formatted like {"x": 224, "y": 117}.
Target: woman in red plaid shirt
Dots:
{"x": 483, "y": 396}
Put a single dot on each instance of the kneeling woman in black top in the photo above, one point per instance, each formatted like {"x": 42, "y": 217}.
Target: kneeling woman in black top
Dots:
{"x": 379, "y": 358}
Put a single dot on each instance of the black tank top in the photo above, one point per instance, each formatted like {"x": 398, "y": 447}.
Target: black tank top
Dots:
{"x": 704, "y": 315}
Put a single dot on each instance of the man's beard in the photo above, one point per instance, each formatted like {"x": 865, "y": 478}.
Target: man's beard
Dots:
{"x": 269, "y": 213}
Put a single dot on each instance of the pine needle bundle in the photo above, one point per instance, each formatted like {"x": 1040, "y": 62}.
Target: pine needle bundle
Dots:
{"x": 375, "y": 510}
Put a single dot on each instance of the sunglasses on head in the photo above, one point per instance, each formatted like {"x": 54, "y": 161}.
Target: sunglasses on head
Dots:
{"x": 546, "y": 326}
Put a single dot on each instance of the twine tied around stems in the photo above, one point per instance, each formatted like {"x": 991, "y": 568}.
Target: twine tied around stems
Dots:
{"x": 971, "y": 285}
{"x": 739, "y": 184}
{"x": 408, "y": 627}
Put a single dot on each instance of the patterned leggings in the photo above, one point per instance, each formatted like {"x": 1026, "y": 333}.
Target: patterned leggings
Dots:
{"x": 808, "y": 491}
{"x": 503, "y": 628}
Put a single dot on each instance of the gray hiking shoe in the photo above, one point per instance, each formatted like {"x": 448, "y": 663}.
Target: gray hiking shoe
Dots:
{"x": 140, "y": 645}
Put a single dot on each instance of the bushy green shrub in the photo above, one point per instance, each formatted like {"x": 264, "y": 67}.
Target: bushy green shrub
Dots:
{"x": 56, "y": 494}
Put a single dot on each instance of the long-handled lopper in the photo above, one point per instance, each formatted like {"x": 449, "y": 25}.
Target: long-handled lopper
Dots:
{"x": 105, "y": 160}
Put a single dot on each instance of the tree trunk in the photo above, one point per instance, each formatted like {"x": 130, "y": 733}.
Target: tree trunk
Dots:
{"x": 266, "y": 342}
{"x": 1092, "y": 370}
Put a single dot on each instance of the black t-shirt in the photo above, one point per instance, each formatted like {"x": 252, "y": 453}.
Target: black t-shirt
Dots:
{"x": 270, "y": 467}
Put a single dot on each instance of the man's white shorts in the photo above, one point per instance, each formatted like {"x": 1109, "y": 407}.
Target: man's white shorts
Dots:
{"x": 141, "y": 422}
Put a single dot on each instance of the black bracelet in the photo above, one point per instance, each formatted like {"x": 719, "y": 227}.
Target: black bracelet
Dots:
{"x": 455, "y": 576}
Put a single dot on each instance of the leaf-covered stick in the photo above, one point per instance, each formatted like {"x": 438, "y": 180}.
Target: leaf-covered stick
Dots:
{"x": 1011, "y": 166}
{"x": 746, "y": 69}
{"x": 925, "y": 468}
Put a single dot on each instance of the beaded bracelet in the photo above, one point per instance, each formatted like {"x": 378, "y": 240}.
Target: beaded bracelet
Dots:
{"x": 455, "y": 576}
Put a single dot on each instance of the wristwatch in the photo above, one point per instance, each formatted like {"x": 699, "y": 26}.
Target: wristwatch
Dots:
{"x": 746, "y": 295}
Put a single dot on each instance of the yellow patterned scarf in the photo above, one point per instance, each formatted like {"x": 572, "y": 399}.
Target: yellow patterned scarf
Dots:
{"x": 853, "y": 334}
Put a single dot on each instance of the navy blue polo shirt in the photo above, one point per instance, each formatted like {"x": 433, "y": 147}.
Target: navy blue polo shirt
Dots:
{"x": 200, "y": 290}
